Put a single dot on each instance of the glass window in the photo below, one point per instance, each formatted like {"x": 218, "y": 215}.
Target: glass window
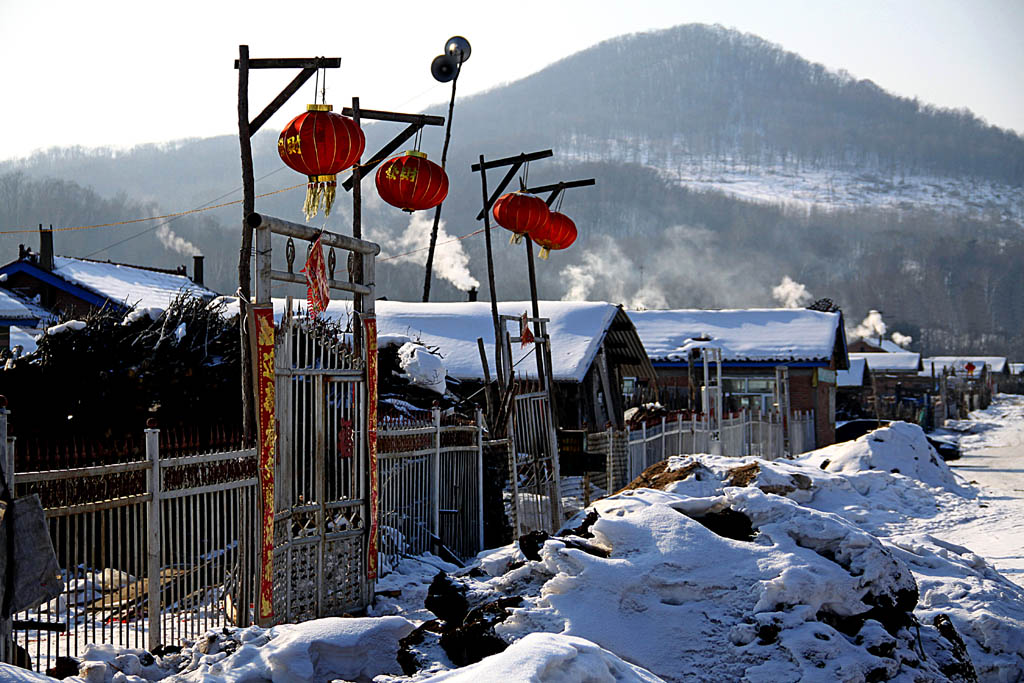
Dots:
{"x": 734, "y": 385}
{"x": 761, "y": 385}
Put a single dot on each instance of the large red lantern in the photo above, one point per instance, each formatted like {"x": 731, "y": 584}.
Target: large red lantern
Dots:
{"x": 320, "y": 144}
{"x": 521, "y": 213}
{"x": 411, "y": 182}
{"x": 558, "y": 233}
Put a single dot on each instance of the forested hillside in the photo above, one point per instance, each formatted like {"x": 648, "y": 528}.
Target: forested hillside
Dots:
{"x": 723, "y": 163}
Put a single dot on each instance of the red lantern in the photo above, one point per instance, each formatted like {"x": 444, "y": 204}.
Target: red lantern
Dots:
{"x": 412, "y": 183}
{"x": 320, "y": 144}
{"x": 521, "y": 213}
{"x": 558, "y": 233}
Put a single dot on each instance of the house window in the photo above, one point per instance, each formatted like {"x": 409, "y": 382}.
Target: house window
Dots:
{"x": 750, "y": 393}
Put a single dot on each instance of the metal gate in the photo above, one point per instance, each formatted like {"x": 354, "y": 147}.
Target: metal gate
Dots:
{"x": 320, "y": 525}
{"x": 536, "y": 501}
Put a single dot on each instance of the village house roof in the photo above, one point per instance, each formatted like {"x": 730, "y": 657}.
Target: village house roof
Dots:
{"x": 758, "y": 335}
{"x": 854, "y": 377}
{"x": 902, "y": 361}
{"x": 884, "y": 345}
{"x": 577, "y": 330}
{"x": 959, "y": 364}
{"x": 97, "y": 282}
{"x": 1016, "y": 368}
{"x": 14, "y": 310}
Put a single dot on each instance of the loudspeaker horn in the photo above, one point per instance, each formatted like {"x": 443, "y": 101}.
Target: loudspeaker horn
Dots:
{"x": 444, "y": 67}
{"x": 458, "y": 47}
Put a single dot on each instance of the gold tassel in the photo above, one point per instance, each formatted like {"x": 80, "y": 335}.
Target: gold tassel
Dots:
{"x": 544, "y": 253}
{"x": 516, "y": 238}
{"x": 320, "y": 192}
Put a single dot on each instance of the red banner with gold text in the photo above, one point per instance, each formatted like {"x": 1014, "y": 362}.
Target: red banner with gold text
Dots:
{"x": 264, "y": 323}
{"x": 370, "y": 330}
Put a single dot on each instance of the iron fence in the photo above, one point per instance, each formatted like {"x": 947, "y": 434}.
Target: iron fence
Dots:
{"x": 431, "y": 484}
{"x": 153, "y": 551}
{"x": 741, "y": 434}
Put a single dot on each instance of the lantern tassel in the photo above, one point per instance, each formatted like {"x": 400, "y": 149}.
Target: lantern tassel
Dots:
{"x": 544, "y": 253}
{"x": 516, "y": 238}
{"x": 320, "y": 192}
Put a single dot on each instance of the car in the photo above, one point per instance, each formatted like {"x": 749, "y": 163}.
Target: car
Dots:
{"x": 947, "y": 447}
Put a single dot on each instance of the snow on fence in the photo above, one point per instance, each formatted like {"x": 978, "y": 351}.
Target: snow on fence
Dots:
{"x": 630, "y": 452}
{"x": 431, "y": 488}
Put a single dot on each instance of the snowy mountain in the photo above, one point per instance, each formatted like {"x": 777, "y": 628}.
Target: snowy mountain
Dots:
{"x": 723, "y": 164}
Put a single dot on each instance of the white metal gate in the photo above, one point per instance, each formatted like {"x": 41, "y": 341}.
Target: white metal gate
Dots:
{"x": 533, "y": 457}
{"x": 320, "y": 525}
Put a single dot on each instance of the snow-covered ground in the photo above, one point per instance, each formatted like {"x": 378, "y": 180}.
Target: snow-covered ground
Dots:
{"x": 865, "y": 561}
{"x": 993, "y": 446}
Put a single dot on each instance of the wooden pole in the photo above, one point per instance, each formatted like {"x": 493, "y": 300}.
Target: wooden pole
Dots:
{"x": 490, "y": 278}
{"x": 248, "y": 206}
{"x": 357, "y": 232}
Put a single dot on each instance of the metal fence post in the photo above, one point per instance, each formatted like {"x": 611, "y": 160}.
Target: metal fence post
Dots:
{"x": 8, "y": 462}
{"x": 153, "y": 538}
{"x": 480, "y": 477}
{"x": 435, "y": 484}
{"x": 663, "y": 456}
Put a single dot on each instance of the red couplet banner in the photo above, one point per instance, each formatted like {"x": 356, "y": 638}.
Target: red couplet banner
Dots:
{"x": 264, "y": 319}
{"x": 370, "y": 330}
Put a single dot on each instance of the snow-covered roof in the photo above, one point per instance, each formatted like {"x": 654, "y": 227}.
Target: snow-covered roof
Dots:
{"x": 13, "y": 308}
{"x": 127, "y": 285}
{"x": 885, "y": 345}
{"x": 577, "y": 329}
{"x": 902, "y": 361}
{"x": 757, "y": 334}
{"x": 854, "y": 377}
{"x": 959, "y": 364}
{"x": 1016, "y": 368}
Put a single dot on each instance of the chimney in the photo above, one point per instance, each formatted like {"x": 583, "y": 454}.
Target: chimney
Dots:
{"x": 46, "y": 248}
{"x": 471, "y": 294}
{"x": 197, "y": 269}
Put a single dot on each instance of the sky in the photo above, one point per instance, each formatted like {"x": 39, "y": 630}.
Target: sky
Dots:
{"x": 120, "y": 73}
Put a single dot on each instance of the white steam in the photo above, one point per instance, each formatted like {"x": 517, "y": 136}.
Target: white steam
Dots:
{"x": 610, "y": 275}
{"x": 451, "y": 262}
{"x": 791, "y": 294}
{"x": 872, "y": 327}
{"x": 176, "y": 242}
{"x": 902, "y": 339}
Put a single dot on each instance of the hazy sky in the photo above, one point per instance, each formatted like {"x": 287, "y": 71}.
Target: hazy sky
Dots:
{"x": 127, "y": 72}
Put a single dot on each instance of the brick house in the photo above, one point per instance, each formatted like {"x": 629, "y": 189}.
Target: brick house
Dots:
{"x": 810, "y": 345}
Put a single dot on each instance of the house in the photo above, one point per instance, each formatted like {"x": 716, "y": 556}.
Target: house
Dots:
{"x": 811, "y": 345}
{"x": 992, "y": 368}
{"x": 593, "y": 347}
{"x": 75, "y": 286}
{"x": 19, "y": 317}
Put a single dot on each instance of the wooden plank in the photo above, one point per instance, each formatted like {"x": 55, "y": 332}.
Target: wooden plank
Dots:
{"x": 377, "y": 115}
{"x": 297, "y": 279}
{"x": 294, "y": 63}
{"x": 519, "y": 158}
{"x": 279, "y": 226}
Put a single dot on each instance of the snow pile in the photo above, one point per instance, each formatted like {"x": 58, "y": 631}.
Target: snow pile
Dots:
{"x": 140, "y": 313}
{"x": 900, "y": 448}
{"x": 425, "y": 369}
{"x": 552, "y": 658}
{"x": 64, "y": 327}
{"x": 805, "y": 594}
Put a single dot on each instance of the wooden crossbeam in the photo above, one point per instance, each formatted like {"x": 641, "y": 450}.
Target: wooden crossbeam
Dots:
{"x": 294, "y": 63}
